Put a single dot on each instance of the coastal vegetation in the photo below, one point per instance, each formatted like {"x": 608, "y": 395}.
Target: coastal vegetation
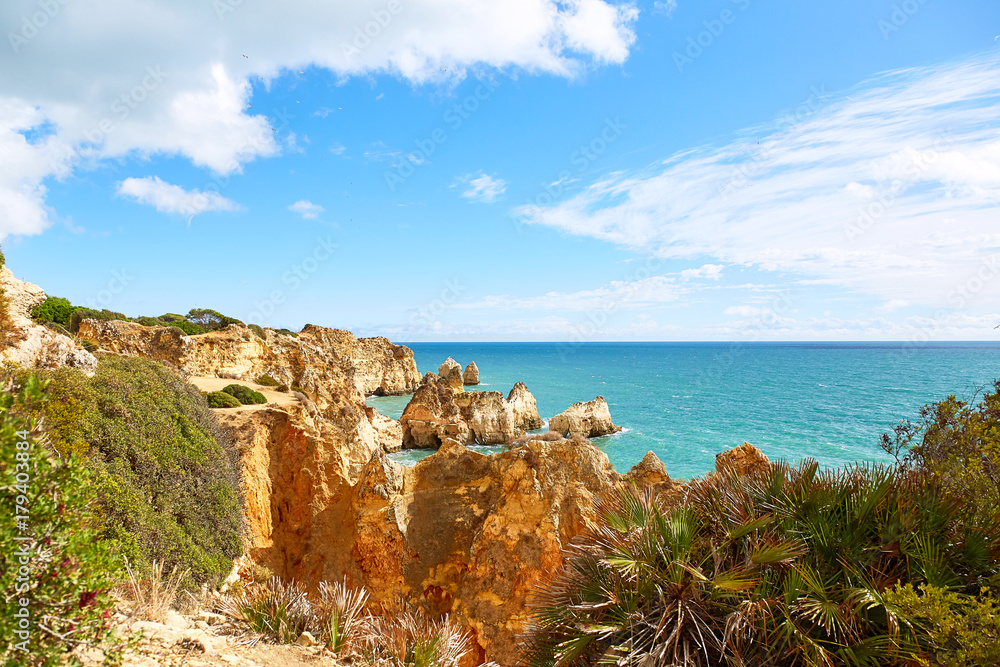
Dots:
{"x": 796, "y": 565}
{"x": 61, "y": 312}
{"x": 244, "y": 394}
{"x": 166, "y": 481}
{"x": 59, "y": 583}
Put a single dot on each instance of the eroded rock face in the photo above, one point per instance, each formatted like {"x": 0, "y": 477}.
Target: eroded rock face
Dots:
{"x": 317, "y": 358}
{"x": 460, "y": 533}
{"x": 743, "y": 459}
{"x": 438, "y": 412}
{"x": 32, "y": 345}
{"x": 589, "y": 419}
{"x": 471, "y": 374}
{"x": 451, "y": 372}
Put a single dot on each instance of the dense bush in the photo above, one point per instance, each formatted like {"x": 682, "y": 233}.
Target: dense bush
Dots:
{"x": 257, "y": 329}
{"x": 167, "y": 487}
{"x": 245, "y": 395}
{"x": 287, "y": 332}
{"x": 53, "y": 309}
{"x": 220, "y": 399}
{"x": 782, "y": 566}
{"x": 63, "y": 577}
{"x": 266, "y": 381}
{"x": 958, "y": 444}
{"x": 189, "y": 328}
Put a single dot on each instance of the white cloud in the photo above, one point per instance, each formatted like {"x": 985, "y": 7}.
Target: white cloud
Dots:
{"x": 892, "y": 191}
{"x": 665, "y": 7}
{"x": 338, "y": 149}
{"x": 168, "y": 198}
{"x": 744, "y": 311}
{"x": 307, "y": 209}
{"x": 162, "y": 77}
{"x": 483, "y": 188}
{"x": 707, "y": 271}
{"x": 614, "y": 295}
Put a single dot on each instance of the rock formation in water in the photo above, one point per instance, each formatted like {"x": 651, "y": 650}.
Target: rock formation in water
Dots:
{"x": 451, "y": 372}
{"x": 471, "y": 374}
{"x": 741, "y": 460}
{"x": 589, "y": 419}
{"x": 29, "y": 344}
{"x": 438, "y": 412}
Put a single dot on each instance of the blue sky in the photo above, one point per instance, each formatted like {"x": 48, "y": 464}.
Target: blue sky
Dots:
{"x": 585, "y": 170}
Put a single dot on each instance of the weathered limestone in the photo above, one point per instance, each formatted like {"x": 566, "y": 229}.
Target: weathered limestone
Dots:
{"x": 438, "y": 412}
{"x": 471, "y": 374}
{"x": 589, "y": 419}
{"x": 451, "y": 371}
{"x": 743, "y": 459}
{"x": 32, "y": 345}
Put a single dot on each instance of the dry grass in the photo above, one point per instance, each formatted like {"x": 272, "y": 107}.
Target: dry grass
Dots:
{"x": 150, "y": 598}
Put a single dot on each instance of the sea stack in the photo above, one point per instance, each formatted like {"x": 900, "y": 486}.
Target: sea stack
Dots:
{"x": 451, "y": 371}
{"x": 589, "y": 419}
{"x": 471, "y": 374}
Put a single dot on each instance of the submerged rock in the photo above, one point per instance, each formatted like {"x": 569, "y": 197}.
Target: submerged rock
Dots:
{"x": 471, "y": 374}
{"x": 588, "y": 419}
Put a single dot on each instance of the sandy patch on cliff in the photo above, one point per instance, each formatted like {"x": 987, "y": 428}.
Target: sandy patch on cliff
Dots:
{"x": 218, "y": 384}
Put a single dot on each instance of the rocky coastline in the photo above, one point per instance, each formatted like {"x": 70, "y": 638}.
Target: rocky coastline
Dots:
{"x": 460, "y": 533}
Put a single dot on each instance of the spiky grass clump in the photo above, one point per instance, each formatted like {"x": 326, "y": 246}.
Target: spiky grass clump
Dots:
{"x": 339, "y": 613}
{"x": 274, "y": 609}
{"x": 781, "y": 566}
{"x": 413, "y": 639}
{"x": 151, "y": 597}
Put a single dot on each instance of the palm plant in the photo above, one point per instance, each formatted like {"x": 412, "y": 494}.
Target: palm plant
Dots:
{"x": 779, "y": 566}
{"x": 339, "y": 613}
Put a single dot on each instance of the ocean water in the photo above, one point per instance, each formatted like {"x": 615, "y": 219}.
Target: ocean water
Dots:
{"x": 689, "y": 401}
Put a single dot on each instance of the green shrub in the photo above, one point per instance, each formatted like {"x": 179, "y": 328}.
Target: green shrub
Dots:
{"x": 187, "y": 327}
{"x": 220, "y": 399}
{"x": 959, "y": 630}
{"x": 245, "y": 395}
{"x": 282, "y": 388}
{"x": 150, "y": 321}
{"x": 171, "y": 317}
{"x": 780, "y": 566}
{"x": 300, "y": 390}
{"x": 168, "y": 489}
{"x": 53, "y": 309}
{"x": 287, "y": 332}
{"x": 210, "y": 320}
{"x": 257, "y": 329}
{"x": 67, "y": 573}
{"x": 266, "y": 381}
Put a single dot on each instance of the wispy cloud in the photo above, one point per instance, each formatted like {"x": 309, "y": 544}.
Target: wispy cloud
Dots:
{"x": 482, "y": 188}
{"x": 393, "y": 156}
{"x": 168, "y": 198}
{"x": 892, "y": 190}
{"x": 307, "y": 209}
{"x": 616, "y": 294}
{"x": 665, "y": 7}
{"x": 338, "y": 149}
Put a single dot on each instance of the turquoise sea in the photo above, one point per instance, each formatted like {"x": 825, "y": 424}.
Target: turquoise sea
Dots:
{"x": 688, "y": 401}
